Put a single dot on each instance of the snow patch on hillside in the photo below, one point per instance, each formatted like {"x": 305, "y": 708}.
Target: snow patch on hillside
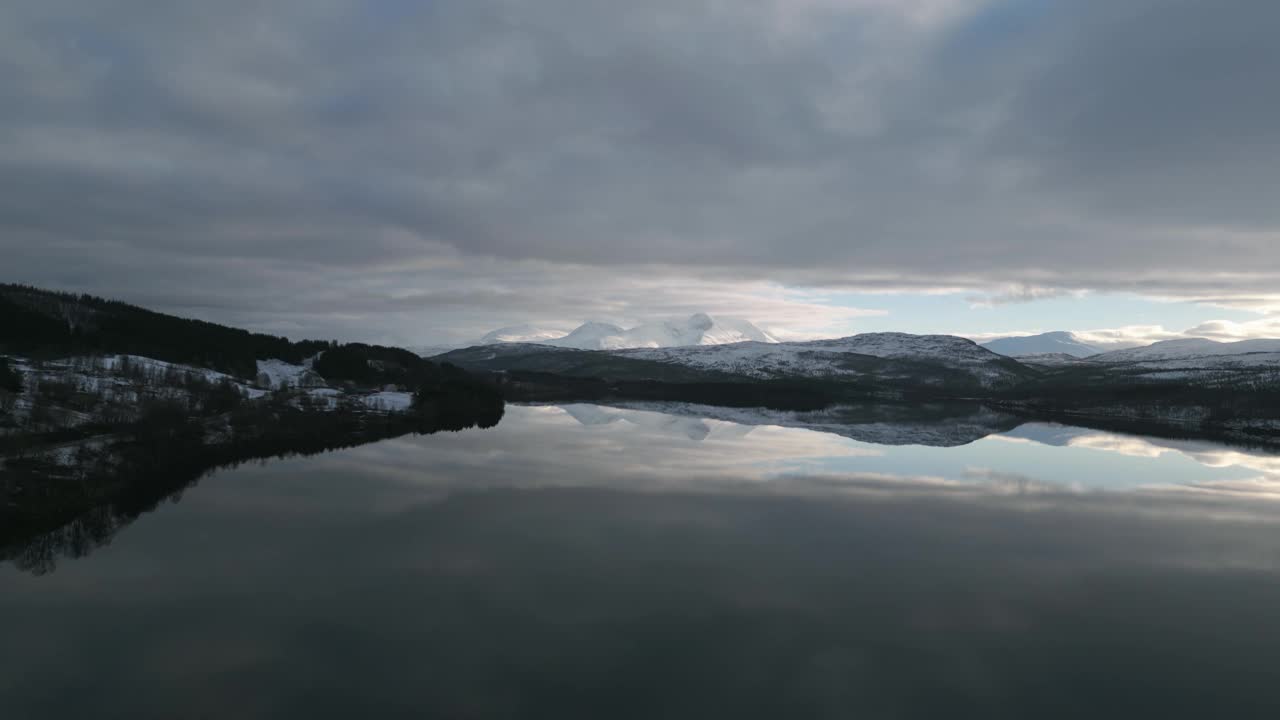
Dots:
{"x": 591, "y": 336}
{"x": 1052, "y": 360}
{"x": 275, "y": 374}
{"x": 148, "y": 366}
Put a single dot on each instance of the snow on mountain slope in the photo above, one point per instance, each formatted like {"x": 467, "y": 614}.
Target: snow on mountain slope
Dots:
{"x": 1190, "y": 348}
{"x": 1052, "y": 360}
{"x": 590, "y": 336}
{"x": 948, "y": 348}
{"x": 699, "y": 329}
{"x": 1043, "y": 344}
{"x": 840, "y": 357}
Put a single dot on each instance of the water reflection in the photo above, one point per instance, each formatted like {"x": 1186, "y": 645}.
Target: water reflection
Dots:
{"x": 929, "y": 445}
{"x": 932, "y": 424}
{"x": 665, "y": 565}
{"x": 948, "y": 449}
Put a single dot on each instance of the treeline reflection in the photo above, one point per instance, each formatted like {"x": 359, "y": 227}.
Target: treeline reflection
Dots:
{"x": 67, "y": 507}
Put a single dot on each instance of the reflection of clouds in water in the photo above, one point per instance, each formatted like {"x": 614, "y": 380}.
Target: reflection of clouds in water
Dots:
{"x": 1264, "y": 486}
{"x": 576, "y": 564}
{"x": 1206, "y": 453}
{"x": 1128, "y": 446}
{"x": 1006, "y": 483}
{"x": 696, "y": 429}
{"x": 551, "y": 447}
{"x": 1232, "y": 458}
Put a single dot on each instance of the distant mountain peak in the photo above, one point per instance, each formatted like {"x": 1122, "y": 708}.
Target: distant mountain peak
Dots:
{"x": 1183, "y": 348}
{"x": 1050, "y": 343}
{"x": 697, "y": 329}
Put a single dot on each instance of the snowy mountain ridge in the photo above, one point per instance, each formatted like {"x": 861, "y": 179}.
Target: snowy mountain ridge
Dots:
{"x": 698, "y": 329}
{"x": 1188, "y": 348}
{"x": 892, "y": 359}
{"x": 825, "y": 358}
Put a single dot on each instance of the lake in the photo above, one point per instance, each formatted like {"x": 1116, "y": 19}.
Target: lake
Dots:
{"x": 676, "y": 561}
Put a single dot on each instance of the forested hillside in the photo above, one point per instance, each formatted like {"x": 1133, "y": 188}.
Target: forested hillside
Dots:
{"x": 54, "y": 323}
{"x": 43, "y": 323}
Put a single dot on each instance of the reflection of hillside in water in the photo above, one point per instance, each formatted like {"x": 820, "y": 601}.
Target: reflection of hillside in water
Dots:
{"x": 672, "y": 447}
{"x": 934, "y": 425}
{"x": 83, "y": 506}
{"x": 693, "y": 428}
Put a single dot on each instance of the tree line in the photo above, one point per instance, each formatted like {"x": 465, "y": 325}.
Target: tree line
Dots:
{"x": 46, "y": 322}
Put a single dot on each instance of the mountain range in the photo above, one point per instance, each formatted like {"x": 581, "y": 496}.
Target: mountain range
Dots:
{"x": 1051, "y": 343}
{"x": 698, "y": 329}
{"x": 1188, "y": 348}
{"x": 871, "y": 360}
{"x": 699, "y": 349}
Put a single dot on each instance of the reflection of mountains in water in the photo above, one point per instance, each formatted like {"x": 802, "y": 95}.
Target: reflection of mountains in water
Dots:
{"x": 931, "y": 424}
{"x": 693, "y": 427}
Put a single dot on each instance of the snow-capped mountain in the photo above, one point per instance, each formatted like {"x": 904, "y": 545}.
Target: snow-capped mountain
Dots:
{"x": 699, "y": 329}
{"x": 1043, "y": 344}
{"x": 1189, "y": 348}
{"x": 590, "y": 336}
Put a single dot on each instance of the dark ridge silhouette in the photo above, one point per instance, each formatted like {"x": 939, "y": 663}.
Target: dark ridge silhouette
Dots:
{"x": 46, "y": 323}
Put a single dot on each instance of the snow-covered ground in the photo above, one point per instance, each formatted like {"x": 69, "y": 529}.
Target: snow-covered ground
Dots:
{"x": 276, "y": 374}
{"x": 150, "y": 365}
{"x": 758, "y": 360}
{"x": 1053, "y": 360}
{"x": 1197, "y": 360}
{"x": 116, "y": 386}
{"x": 121, "y": 376}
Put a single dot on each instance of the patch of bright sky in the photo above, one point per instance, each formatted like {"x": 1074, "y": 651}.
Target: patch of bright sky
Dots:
{"x": 956, "y": 314}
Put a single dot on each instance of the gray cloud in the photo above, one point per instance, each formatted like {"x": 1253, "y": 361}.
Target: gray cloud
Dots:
{"x": 459, "y": 162}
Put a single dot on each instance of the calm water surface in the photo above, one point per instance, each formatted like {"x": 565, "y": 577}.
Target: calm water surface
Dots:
{"x": 585, "y": 561}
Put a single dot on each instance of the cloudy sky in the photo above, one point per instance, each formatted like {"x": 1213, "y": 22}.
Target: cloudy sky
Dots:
{"x": 421, "y": 171}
